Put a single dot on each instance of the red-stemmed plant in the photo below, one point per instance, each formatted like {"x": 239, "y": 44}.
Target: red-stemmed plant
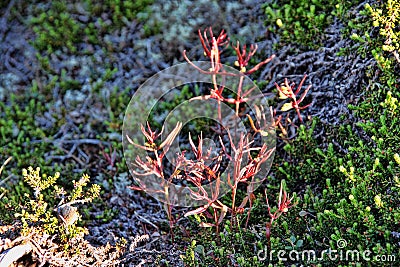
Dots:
{"x": 246, "y": 157}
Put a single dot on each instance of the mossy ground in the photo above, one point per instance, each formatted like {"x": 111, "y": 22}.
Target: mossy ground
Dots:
{"x": 65, "y": 85}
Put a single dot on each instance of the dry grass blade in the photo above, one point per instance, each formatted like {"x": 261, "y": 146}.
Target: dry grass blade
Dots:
{"x": 4, "y": 164}
{"x": 1, "y": 170}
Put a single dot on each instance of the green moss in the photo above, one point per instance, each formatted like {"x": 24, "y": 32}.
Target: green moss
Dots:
{"x": 52, "y": 27}
{"x": 303, "y": 22}
{"x": 347, "y": 180}
{"x": 57, "y": 25}
{"x": 20, "y": 130}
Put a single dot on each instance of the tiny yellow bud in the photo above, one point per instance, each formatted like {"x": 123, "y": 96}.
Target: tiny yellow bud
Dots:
{"x": 351, "y": 197}
{"x": 279, "y": 23}
{"x": 243, "y": 69}
{"x": 397, "y": 181}
{"x": 263, "y": 133}
{"x": 368, "y": 208}
{"x": 397, "y": 158}
{"x": 387, "y": 48}
{"x": 236, "y": 63}
{"x": 354, "y": 36}
{"x": 342, "y": 169}
{"x": 378, "y": 201}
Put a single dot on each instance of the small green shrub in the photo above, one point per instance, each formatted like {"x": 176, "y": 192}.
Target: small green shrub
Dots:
{"x": 52, "y": 229}
{"x": 37, "y": 215}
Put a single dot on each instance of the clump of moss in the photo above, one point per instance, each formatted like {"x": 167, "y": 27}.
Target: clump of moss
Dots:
{"x": 62, "y": 25}
{"x": 303, "y": 22}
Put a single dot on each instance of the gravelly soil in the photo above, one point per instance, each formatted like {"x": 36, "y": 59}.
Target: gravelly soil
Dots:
{"x": 335, "y": 82}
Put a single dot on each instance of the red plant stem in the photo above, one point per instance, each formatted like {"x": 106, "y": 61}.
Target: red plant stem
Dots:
{"x": 216, "y": 221}
{"x": 296, "y": 106}
{"x": 233, "y": 202}
{"x": 239, "y": 94}
{"x": 223, "y": 73}
{"x": 214, "y": 78}
{"x": 268, "y": 227}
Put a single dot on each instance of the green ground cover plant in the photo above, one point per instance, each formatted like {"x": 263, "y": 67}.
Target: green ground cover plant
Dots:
{"x": 303, "y": 22}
